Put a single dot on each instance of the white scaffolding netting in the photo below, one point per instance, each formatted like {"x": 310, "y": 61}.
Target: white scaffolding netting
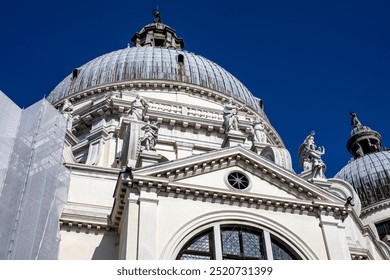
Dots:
{"x": 34, "y": 182}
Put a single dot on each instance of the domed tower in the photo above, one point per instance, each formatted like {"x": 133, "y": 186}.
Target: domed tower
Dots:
{"x": 369, "y": 173}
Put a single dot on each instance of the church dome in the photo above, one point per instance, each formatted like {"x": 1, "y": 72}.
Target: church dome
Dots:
{"x": 157, "y": 55}
{"x": 369, "y": 169}
{"x": 370, "y": 176}
{"x": 153, "y": 63}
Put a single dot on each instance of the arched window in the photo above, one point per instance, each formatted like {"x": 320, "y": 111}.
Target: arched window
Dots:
{"x": 181, "y": 67}
{"x": 180, "y": 58}
{"x": 236, "y": 242}
{"x": 383, "y": 229}
{"x": 200, "y": 247}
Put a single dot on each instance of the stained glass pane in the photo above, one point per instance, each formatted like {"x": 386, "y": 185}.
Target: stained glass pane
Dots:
{"x": 251, "y": 245}
{"x": 194, "y": 257}
{"x": 230, "y": 242}
{"x": 201, "y": 244}
{"x": 280, "y": 253}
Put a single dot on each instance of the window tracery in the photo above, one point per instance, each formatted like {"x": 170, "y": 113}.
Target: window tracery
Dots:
{"x": 236, "y": 242}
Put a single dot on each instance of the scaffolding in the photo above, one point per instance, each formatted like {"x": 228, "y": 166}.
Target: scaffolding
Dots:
{"x": 33, "y": 180}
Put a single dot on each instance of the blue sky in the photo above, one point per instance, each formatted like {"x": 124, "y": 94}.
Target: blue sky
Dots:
{"x": 312, "y": 62}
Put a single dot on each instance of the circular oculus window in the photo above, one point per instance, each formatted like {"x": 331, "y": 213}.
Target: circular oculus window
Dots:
{"x": 238, "y": 180}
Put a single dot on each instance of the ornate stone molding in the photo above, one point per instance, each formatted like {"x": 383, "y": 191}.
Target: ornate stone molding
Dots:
{"x": 246, "y": 159}
{"x": 164, "y": 180}
{"x": 375, "y": 207}
{"x": 113, "y": 106}
{"x": 85, "y": 226}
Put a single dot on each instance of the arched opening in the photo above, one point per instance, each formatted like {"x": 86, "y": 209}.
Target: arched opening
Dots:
{"x": 180, "y": 67}
{"x": 180, "y": 58}
{"x": 383, "y": 229}
{"x": 75, "y": 73}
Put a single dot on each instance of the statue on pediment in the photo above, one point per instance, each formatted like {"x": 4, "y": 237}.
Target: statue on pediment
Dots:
{"x": 230, "y": 116}
{"x": 310, "y": 157}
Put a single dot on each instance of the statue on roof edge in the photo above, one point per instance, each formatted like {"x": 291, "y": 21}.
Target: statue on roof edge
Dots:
{"x": 310, "y": 157}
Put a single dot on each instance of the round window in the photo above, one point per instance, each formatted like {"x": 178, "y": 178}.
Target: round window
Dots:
{"x": 238, "y": 180}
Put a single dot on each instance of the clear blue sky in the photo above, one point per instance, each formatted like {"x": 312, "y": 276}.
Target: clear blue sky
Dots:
{"x": 310, "y": 61}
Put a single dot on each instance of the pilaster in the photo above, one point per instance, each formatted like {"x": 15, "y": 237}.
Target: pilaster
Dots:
{"x": 147, "y": 245}
{"x": 132, "y": 227}
{"x": 334, "y": 238}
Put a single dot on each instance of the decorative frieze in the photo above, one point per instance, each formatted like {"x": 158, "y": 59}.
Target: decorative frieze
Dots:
{"x": 114, "y": 93}
{"x": 85, "y": 227}
{"x": 250, "y": 199}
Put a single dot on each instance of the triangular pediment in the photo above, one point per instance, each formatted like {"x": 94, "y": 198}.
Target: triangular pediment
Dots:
{"x": 203, "y": 177}
{"x": 235, "y": 179}
{"x": 209, "y": 171}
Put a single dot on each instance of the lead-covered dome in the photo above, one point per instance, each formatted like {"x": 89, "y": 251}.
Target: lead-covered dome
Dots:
{"x": 370, "y": 176}
{"x": 369, "y": 169}
{"x": 157, "y": 55}
{"x": 153, "y": 63}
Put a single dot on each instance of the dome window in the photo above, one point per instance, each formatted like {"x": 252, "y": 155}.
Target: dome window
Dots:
{"x": 181, "y": 68}
{"x": 75, "y": 73}
{"x": 180, "y": 58}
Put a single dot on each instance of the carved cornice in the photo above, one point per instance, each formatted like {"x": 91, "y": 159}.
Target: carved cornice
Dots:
{"x": 375, "y": 207}
{"x": 169, "y": 86}
{"x": 248, "y": 199}
{"x": 66, "y": 224}
{"x": 109, "y": 104}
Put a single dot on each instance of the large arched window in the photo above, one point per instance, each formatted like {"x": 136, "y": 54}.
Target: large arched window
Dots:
{"x": 236, "y": 242}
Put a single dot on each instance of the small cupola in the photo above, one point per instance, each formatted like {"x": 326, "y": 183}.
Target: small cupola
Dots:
{"x": 363, "y": 140}
{"x": 157, "y": 34}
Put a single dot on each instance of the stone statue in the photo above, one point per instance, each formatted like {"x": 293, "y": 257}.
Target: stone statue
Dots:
{"x": 259, "y": 136}
{"x": 138, "y": 108}
{"x": 359, "y": 150}
{"x": 310, "y": 157}
{"x": 67, "y": 107}
{"x": 230, "y": 117}
{"x": 148, "y": 141}
{"x": 157, "y": 15}
{"x": 354, "y": 120}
